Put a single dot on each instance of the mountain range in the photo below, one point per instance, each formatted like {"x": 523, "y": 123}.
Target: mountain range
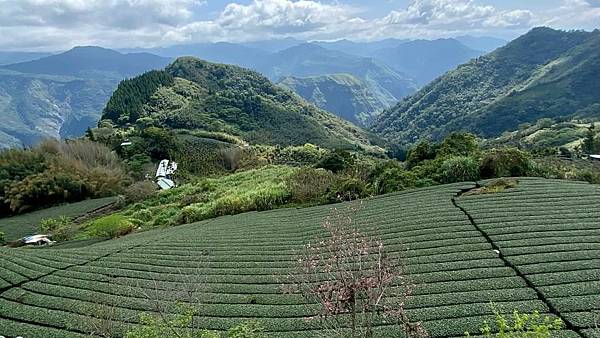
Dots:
{"x": 61, "y": 95}
{"x": 545, "y": 73}
{"x": 195, "y": 94}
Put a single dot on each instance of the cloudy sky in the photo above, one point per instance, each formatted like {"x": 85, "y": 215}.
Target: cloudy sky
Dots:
{"x": 53, "y": 25}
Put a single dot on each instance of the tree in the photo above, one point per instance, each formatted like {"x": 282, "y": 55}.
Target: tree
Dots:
{"x": 459, "y": 144}
{"x": 364, "y": 281}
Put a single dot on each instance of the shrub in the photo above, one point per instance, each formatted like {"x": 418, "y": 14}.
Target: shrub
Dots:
{"x": 390, "y": 176}
{"x": 521, "y": 326}
{"x": 348, "y": 189}
{"x": 60, "y": 228}
{"x": 140, "y": 191}
{"x": 459, "y": 169}
{"x": 505, "y": 162}
{"x": 336, "y": 161}
{"x": 45, "y": 189}
{"x": 144, "y": 215}
{"x": 458, "y": 144}
{"x": 250, "y": 329}
{"x": 2, "y": 237}
{"x": 110, "y": 226}
{"x": 421, "y": 152}
{"x": 310, "y": 184}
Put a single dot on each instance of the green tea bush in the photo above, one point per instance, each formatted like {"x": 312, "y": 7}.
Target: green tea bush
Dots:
{"x": 2, "y": 238}
{"x": 459, "y": 169}
{"x": 310, "y": 185}
{"x": 505, "y": 162}
{"x": 110, "y": 226}
{"x": 60, "y": 228}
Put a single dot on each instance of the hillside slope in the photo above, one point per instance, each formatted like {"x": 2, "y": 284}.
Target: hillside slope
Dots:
{"x": 195, "y": 94}
{"x": 230, "y": 269}
{"x": 312, "y": 60}
{"x": 35, "y": 106}
{"x": 342, "y": 94}
{"x": 425, "y": 60}
{"x": 62, "y": 95}
{"x": 544, "y": 73}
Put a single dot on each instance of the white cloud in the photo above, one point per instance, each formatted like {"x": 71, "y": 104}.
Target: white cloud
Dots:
{"x": 60, "y": 24}
{"x": 574, "y": 14}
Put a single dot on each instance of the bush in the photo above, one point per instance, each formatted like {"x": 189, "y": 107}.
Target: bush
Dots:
{"x": 459, "y": 169}
{"x": 421, "y": 152}
{"x": 2, "y": 238}
{"x": 458, "y": 144}
{"x": 60, "y": 228}
{"x": 521, "y": 326}
{"x": 140, "y": 191}
{"x": 505, "y": 162}
{"x": 310, "y": 185}
{"x": 110, "y": 226}
{"x": 349, "y": 189}
{"x": 389, "y": 177}
{"x": 250, "y": 329}
{"x": 336, "y": 161}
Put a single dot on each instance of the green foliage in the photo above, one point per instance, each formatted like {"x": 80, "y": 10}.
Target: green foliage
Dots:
{"x": 2, "y": 238}
{"x": 521, "y": 325}
{"x": 459, "y": 169}
{"x": 250, "y": 329}
{"x": 349, "y": 189}
{"x": 126, "y": 103}
{"x": 156, "y": 326}
{"x": 389, "y": 176}
{"x": 505, "y": 162}
{"x": 421, "y": 152}
{"x": 310, "y": 185}
{"x": 60, "y": 228}
{"x": 497, "y": 92}
{"x": 56, "y": 172}
{"x": 197, "y": 95}
{"x": 140, "y": 191}
{"x": 109, "y": 226}
{"x": 336, "y": 161}
{"x": 458, "y": 144}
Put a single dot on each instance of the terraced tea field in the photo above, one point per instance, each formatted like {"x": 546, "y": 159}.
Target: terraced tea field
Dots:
{"x": 18, "y": 226}
{"x": 547, "y": 233}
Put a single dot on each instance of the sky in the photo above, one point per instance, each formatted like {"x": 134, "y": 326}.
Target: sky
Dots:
{"x": 52, "y": 25}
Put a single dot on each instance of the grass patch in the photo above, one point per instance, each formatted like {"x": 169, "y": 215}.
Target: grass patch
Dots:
{"x": 26, "y": 224}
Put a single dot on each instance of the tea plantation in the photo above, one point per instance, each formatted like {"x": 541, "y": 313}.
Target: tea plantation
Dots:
{"x": 547, "y": 234}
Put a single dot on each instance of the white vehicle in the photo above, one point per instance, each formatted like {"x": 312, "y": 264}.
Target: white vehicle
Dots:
{"x": 164, "y": 174}
{"x": 37, "y": 240}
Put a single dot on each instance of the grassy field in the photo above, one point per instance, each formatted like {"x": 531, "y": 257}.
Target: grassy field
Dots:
{"x": 547, "y": 232}
{"x": 22, "y": 225}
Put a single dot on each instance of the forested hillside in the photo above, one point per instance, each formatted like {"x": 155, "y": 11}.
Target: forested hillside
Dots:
{"x": 544, "y": 73}
{"x": 342, "y": 94}
{"x": 199, "y": 95}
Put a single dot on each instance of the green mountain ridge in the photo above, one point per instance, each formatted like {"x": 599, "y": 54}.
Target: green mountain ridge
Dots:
{"x": 544, "y": 73}
{"x": 342, "y": 94}
{"x": 200, "y": 95}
